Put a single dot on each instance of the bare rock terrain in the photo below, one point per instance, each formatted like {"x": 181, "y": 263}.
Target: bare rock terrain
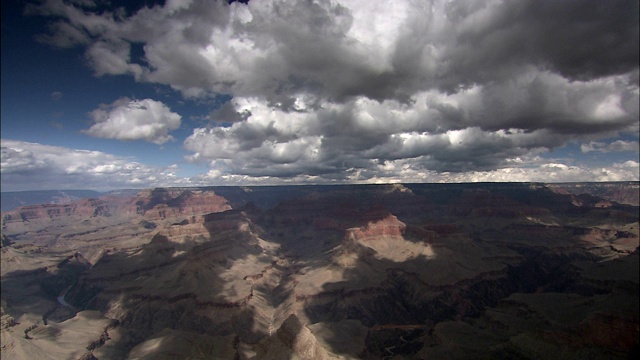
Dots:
{"x": 456, "y": 271}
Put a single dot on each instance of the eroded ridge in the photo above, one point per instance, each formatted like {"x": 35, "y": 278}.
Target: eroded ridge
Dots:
{"x": 420, "y": 271}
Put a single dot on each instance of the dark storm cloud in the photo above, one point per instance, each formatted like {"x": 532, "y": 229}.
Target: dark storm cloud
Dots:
{"x": 384, "y": 50}
{"x": 357, "y": 90}
{"x": 580, "y": 40}
{"x": 228, "y": 113}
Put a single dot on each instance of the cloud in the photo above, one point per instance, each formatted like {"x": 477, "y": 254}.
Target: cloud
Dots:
{"x": 362, "y": 133}
{"x": 405, "y": 171}
{"x": 227, "y": 113}
{"x": 552, "y": 172}
{"x": 112, "y": 58}
{"x": 381, "y": 50}
{"x": 126, "y": 119}
{"x": 56, "y": 96}
{"x": 538, "y": 99}
{"x": 358, "y": 90}
{"x": 616, "y": 146}
{"x": 29, "y": 166}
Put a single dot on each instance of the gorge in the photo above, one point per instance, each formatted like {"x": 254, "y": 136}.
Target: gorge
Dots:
{"x": 402, "y": 271}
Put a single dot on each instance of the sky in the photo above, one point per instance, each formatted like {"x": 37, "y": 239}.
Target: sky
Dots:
{"x": 106, "y": 95}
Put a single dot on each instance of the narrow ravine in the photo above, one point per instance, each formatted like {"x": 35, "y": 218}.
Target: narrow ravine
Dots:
{"x": 60, "y": 297}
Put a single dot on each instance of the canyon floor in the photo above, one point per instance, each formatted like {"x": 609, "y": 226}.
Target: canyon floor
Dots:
{"x": 401, "y": 271}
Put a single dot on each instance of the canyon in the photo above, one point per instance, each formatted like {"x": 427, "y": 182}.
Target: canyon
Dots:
{"x": 396, "y": 271}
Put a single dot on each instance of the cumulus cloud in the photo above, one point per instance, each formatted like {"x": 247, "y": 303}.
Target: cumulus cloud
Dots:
{"x": 29, "y": 166}
{"x": 126, "y": 119}
{"x": 363, "y": 133}
{"x": 381, "y": 50}
{"x": 358, "y": 90}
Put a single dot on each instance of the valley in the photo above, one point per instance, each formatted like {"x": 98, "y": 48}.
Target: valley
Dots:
{"x": 399, "y": 271}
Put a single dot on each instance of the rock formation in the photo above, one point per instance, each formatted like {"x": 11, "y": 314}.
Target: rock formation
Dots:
{"x": 414, "y": 271}
{"x": 292, "y": 341}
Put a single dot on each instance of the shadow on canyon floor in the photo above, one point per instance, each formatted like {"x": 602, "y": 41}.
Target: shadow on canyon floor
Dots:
{"x": 242, "y": 276}
{"x": 169, "y": 285}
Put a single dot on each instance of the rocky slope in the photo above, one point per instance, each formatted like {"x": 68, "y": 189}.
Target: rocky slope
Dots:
{"x": 151, "y": 204}
{"x": 621, "y": 192}
{"x": 405, "y": 271}
{"x": 13, "y": 199}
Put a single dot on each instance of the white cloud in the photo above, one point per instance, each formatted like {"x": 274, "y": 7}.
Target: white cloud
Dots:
{"x": 30, "y": 166}
{"x": 615, "y": 146}
{"x": 112, "y": 58}
{"x": 407, "y": 171}
{"x": 126, "y": 119}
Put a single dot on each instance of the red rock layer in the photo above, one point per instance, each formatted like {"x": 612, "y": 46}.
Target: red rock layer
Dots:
{"x": 152, "y": 204}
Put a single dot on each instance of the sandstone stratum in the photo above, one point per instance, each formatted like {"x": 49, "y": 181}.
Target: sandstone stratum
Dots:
{"x": 401, "y": 271}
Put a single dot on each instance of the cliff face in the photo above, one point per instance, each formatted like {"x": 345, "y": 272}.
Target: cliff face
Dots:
{"x": 14, "y": 199}
{"x": 292, "y": 340}
{"x": 377, "y": 222}
{"x": 81, "y": 208}
{"x": 620, "y": 192}
{"x": 163, "y": 203}
{"x": 461, "y": 270}
{"x": 150, "y": 204}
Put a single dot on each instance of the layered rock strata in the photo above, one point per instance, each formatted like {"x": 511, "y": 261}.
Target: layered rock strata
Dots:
{"x": 415, "y": 271}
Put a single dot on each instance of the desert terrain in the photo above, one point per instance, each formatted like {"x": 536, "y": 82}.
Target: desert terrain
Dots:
{"x": 400, "y": 271}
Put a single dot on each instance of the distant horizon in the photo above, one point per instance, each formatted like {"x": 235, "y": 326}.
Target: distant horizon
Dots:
{"x": 330, "y": 184}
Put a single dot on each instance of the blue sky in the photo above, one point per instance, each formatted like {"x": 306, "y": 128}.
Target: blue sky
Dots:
{"x": 48, "y": 93}
{"x": 191, "y": 93}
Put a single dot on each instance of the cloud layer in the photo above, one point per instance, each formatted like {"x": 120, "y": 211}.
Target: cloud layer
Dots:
{"x": 362, "y": 91}
{"x": 616, "y": 146}
{"x": 29, "y": 166}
